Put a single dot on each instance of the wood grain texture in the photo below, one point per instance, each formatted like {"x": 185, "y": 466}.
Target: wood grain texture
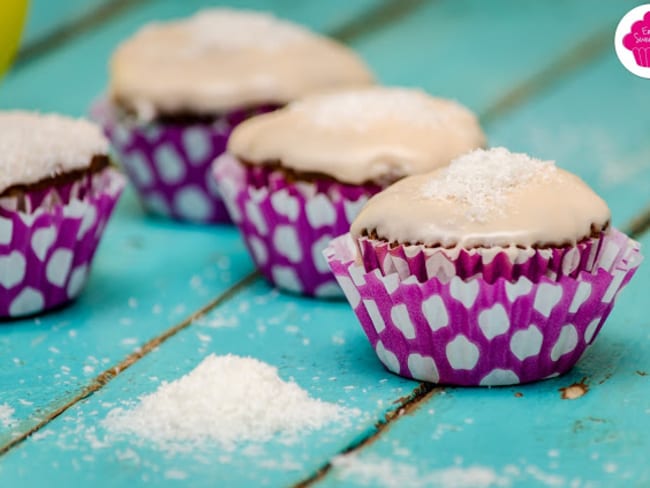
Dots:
{"x": 316, "y": 343}
{"x": 142, "y": 286}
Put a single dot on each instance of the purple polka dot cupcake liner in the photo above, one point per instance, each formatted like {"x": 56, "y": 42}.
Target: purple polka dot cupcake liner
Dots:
{"x": 48, "y": 239}
{"x": 170, "y": 163}
{"x": 287, "y": 225}
{"x": 472, "y": 332}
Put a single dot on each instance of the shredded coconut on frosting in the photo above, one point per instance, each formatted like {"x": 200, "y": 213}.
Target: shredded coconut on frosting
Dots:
{"x": 482, "y": 178}
{"x": 36, "y": 146}
{"x": 223, "y": 28}
{"x": 358, "y": 109}
{"x": 225, "y": 399}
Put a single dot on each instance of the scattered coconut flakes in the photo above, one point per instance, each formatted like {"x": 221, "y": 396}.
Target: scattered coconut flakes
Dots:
{"x": 482, "y": 179}
{"x": 379, "y": 472}
{"x": 35, "y": 146}
{"x": 230, "y": 29}
{"x": 6, "y": 415}
{"x": 225, "y": 399}
{"x": 359, "y": 109}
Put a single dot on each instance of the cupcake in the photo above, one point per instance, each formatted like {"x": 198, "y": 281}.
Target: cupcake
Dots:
{"x": 57, "y": 192}
{"x": 498, "y": 269}
{"x": 177, "y": 90}
{"x": 295, "y": 178}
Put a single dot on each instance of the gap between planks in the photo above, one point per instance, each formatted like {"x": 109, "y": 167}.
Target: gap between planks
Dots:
{"x": 69, "y": 31}
{"x": 639, "y": 224}
{"x": 421, "y": 394}
{"x": 373, "y": 19}
{"x": 106, "y": 376}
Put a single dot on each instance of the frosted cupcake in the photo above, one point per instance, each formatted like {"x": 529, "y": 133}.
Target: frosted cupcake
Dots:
{"x": 57, "y": 192}
{"x": 295, "y": 178}
{"x": 177, "y": 90}
{"x": 498, "y": 269}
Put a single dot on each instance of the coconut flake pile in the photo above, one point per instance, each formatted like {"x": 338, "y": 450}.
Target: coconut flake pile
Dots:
{"x": 224, "y": 28}
{"x": 483, "y": 178}
{"x": 359, "y": 109}
{"x": 36, "y": 146}
{"x": 225, "y": 399}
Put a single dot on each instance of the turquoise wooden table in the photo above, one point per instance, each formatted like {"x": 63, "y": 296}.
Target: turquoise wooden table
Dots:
{"x": 544, "y": 78}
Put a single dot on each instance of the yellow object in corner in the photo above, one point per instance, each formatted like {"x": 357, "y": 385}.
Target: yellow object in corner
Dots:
{"x": 12, "y": 19}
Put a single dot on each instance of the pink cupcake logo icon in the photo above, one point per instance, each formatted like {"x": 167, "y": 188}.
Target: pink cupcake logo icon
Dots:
{"x": 632, "y": 41}
{"x": 638, "y": 41}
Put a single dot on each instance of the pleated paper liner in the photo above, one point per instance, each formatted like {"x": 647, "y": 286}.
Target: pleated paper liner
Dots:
{"x": 48, "y": 239}
{"x": 488, "y": 263}
{"x": 473, "y": 332}
{"x": 286, "y": 225}
{"x": 170, "y": 163}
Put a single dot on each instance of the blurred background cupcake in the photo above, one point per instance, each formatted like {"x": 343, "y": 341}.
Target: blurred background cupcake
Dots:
{"x": 296, "y": 178}
{"x": 177, "y": 89}
{"x": 57, "y": 192}
{"x": 498, "y": 269}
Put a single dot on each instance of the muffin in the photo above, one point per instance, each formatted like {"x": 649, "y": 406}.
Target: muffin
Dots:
{"x": 498, "y": 269}
{"x": 295, "y": 178}
{"x": 177, "y": 89}
{"x": 57, "y": 192}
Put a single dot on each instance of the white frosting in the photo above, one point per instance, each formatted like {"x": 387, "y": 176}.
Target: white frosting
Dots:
{"x": 370, "y": 134}
{"x": 37, "y": 146}
{"x": 486, "y": 198}
{"x": 222, "y": 59}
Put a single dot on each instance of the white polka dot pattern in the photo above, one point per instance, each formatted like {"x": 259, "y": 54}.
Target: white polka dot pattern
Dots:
{"x": 388, "y": 358}
{"x": 435, "y": 312}
{"x": 6, "y": 230}
{"x": 285, "y": 204}
{"x": 461, "y": 353}
{"x": 12, "y": 269}
{"x": 400, "y": 316}
{"x": 494, "y": 321}
{"x": 472, "y": 332}
{"x": 171, "y": 165}
{"x": 58, "y": 267}
{"x": 46, "y": 259}
{"x": 259, "y": 250}
{"x": 192, "y": 204}
{"x": 286, "y": 278}
{"x": 42, "y": 241}
{"x": 286, "y": 242}
{"x": 591, "y": 330}
{"x": 498, "y": 377}
{"x": 566, "y": 343}
{"x": 28, "y": 301}
{"x": 526, "y": 343}
{"x": 287, "y": 225}
{"x": 422, "y": 368}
